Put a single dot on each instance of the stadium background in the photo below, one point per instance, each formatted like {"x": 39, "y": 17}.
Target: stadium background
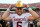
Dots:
{"x": 34, "y": 6}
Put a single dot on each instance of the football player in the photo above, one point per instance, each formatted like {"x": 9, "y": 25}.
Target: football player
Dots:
{"x": 20, "y": 19}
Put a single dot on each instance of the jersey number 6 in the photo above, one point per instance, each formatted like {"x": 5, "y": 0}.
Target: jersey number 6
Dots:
{"x": 18, "y": 24}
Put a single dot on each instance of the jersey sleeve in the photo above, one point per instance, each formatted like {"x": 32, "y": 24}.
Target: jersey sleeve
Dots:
{"x": 29, "y": 14}
{"x": 11, "y": 16}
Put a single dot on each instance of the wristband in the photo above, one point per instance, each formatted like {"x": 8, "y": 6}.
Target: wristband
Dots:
{"x": 29, "y": 8}
{"x": 8, "y": 9}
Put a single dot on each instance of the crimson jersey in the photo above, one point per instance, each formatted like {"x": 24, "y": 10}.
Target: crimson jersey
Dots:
{"x": 20, "y": 21}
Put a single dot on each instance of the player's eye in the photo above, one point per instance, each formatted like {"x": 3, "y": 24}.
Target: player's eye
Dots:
{"x": 19, "y": 8}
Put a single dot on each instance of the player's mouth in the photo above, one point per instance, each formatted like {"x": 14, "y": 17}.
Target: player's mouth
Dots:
{"x": 19, "y": 13}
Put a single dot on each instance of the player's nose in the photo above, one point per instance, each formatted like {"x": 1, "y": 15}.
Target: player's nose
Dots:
{"x": 19, "y": 10}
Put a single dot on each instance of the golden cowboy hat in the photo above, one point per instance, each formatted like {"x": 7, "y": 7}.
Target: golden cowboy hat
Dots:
{"x": 19, "y": 4}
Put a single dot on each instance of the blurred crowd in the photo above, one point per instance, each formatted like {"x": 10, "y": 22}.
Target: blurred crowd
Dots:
{"x": 34, "y": 23}
{"x": 5, "y": 23}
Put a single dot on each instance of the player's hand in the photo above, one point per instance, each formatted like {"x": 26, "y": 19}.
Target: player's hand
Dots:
{"x": 11, "y": 6}
{"x": 26, "y": 5}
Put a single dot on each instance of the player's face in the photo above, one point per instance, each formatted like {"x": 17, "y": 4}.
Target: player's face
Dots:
{"x": 19, "y": 11}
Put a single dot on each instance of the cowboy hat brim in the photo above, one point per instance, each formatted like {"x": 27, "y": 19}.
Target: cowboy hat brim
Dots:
{"x": 19, "y": 7}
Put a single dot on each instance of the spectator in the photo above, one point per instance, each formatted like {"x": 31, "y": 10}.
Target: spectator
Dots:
{"x": 8, "y": 24}
{"x": 3, "y": 23}
{"x": 38, "y": 23}
{"x": 31, "y": 24}
{"x": 11, "y": 23}
{"x": 0, "y": 21}
{"x": 0, "y": 25}
{"x": 35, "y": 23}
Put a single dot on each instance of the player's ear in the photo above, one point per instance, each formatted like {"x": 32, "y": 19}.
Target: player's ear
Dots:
{"x": 16, "y": 10}
{"x": 22, "y": 10}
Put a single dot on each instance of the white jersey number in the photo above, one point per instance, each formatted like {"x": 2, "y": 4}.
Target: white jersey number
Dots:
{"x": 19, "y": 24}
